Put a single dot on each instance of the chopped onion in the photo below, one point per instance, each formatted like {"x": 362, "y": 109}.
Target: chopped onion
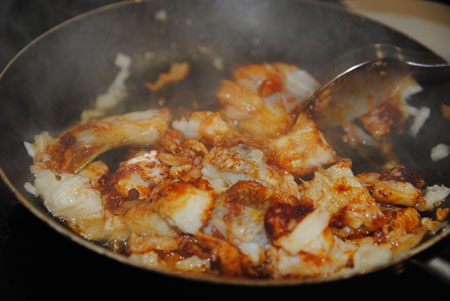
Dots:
{"x": 440, "y": 152}
{"x": 419, "y": 120}
{"x": 435, "y": 194}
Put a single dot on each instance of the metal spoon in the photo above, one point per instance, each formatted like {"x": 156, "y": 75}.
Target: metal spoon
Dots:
{"x": 366, "y": 77}
{"x": 363, "y": 79}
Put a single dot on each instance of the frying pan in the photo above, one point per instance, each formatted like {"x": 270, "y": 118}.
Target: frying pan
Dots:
{"x": 50, "y": 82}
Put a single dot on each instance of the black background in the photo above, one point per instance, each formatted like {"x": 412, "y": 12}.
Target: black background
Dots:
{"x": 36, "y": 262}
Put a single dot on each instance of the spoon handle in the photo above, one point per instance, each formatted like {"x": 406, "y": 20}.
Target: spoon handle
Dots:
{"x": 422, "y": 65}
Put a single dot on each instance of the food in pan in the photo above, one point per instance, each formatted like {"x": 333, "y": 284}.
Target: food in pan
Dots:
{"x": 251, "y": 190}
{"x": 177, "y": 72}
{"x": 440, "y": 151}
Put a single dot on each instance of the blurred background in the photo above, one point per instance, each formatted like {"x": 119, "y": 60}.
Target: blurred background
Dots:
{"x": 37, "y": 263}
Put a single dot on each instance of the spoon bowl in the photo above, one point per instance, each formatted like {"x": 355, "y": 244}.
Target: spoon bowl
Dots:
{"x": 361, "y": 80}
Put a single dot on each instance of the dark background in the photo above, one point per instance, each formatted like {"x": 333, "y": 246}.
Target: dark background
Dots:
{"x": 36, "y": 262}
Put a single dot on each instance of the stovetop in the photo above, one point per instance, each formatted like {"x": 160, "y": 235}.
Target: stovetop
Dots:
{"x": 36, "y": 262}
